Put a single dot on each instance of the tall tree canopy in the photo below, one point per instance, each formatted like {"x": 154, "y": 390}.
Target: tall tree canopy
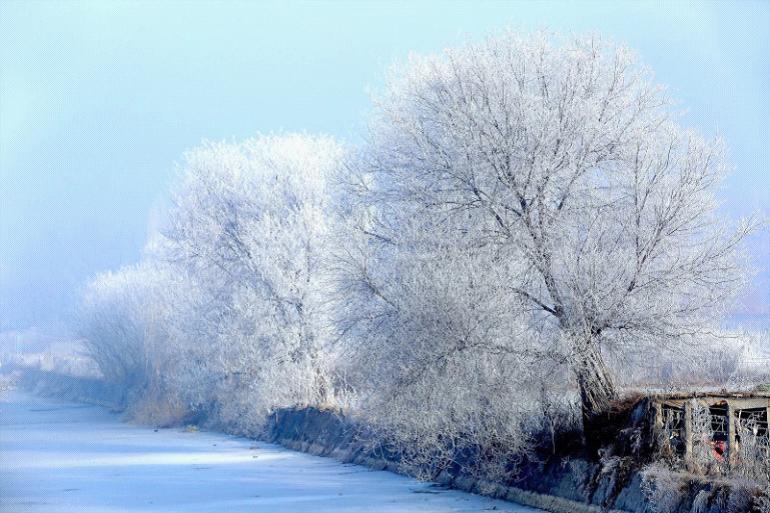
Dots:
{"x": 564, "y": 163}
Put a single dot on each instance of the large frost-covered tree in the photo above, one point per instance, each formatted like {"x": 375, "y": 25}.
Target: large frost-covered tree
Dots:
{"x": 248, "y": 226}
{"x": 564, "y": 163}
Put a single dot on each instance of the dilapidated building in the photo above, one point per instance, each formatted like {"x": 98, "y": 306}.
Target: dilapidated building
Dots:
{"x": 721, "y": 422}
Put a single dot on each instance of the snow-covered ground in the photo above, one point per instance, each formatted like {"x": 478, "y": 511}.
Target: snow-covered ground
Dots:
{"x": 58, "y": 457}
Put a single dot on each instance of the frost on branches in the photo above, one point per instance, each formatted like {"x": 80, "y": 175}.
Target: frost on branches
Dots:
{"x": 247, "y": 231}
{"x": 575, "y": 195}
{"x": 525, "y": 218}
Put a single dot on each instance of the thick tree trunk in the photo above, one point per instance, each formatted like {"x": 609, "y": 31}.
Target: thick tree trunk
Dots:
{"x": 596, "y": 386}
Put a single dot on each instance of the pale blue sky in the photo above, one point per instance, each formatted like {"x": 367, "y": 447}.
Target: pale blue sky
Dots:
{"x": 98, "y": 100}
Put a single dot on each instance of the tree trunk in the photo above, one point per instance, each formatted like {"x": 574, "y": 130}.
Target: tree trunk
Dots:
{"x": 596, "y": 386}
{"x": 322, "y": 387}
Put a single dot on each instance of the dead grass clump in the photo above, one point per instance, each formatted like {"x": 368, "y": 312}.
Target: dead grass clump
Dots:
{"x": 158, "y": 411}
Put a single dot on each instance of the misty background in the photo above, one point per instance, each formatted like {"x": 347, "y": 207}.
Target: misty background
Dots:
{"x": 99, "y": 100}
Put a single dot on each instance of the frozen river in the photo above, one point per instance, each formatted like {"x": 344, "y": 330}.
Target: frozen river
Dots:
{"x": 59, "y": 457}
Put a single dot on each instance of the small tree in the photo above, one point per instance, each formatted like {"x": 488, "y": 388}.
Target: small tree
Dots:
{"x": 123, "y": 320}
{"x": 565, "y": 164}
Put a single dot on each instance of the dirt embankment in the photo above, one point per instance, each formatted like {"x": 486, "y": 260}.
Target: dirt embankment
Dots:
{"x": 71, "y": 388}
{"x": 613, "y": 481}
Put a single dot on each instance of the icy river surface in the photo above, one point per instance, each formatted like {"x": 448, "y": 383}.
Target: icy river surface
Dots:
{"x": 60, "y": 457}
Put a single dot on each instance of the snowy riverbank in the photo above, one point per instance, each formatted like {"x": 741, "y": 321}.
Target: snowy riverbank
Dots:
{"x": 58, "y": 457}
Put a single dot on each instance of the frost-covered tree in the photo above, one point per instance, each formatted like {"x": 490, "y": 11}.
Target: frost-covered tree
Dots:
{"x": 123, "y": 318}
{"x": 427, "y": 324}
{"x": 562, "y": 164}
{"x": 248, "y": 226}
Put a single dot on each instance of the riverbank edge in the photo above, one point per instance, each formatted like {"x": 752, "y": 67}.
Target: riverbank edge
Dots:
{"x": 568, "y": 485}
